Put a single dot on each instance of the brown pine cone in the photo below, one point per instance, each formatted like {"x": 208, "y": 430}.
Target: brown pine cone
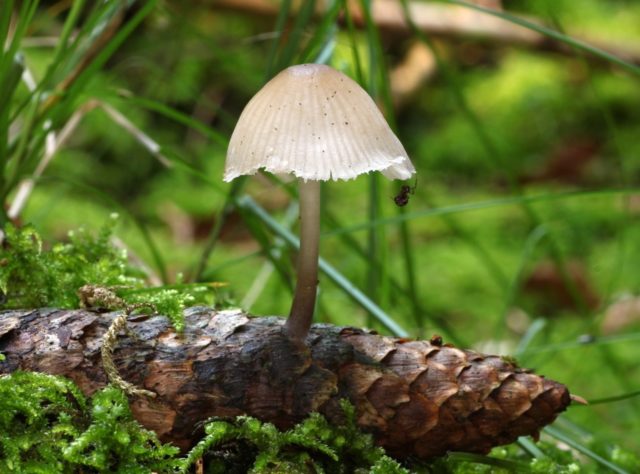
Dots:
{"x": 447, "y": 399}
{"x": 418, "y": 398}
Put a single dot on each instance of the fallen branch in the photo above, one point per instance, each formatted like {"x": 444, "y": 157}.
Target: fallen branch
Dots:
{"x": 449, "y": 21}
{"x": 418, "y": 398}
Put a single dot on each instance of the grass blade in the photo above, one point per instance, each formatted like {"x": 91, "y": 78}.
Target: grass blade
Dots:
{"x": 615, "y": 398}
{"x": 478, "y": 205}
{"x": 8, "y": 85}
{"x": 557, "y": 434}
{"x": 321, "y": 45}
{"x": 530, "y": 447}
{"x": 581, "y": 343}
{"x": 556, "y": 35}
{"x": 532, "y": 331}
{"x": 378, "y": 314}
{"x": 511, "y": 466}
{"x": 104, "y": 54}
{"x": 179, "y": 117}
{"x": 303, "y": 17}
{"x": 530, "y": 244}
{"x": 281, "y": 20}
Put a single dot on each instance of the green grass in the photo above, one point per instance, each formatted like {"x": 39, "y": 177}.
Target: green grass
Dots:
{"x": 455, "y": 261}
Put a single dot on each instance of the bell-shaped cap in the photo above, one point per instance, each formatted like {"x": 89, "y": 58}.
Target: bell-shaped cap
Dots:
{"x": 317, "y": 124}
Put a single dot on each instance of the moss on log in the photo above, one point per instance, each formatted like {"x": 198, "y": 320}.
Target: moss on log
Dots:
{"x": 418, "y": 398}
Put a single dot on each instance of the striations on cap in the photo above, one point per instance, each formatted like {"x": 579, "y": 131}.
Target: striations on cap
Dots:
{"x": 317, "y": 124}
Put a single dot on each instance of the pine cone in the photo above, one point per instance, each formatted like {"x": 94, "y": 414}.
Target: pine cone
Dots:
{"x": 438, "y": 398}
{"x": 418, "y": 398}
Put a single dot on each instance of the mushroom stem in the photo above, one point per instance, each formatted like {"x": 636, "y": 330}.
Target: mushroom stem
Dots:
{"x": 304, "y": 299}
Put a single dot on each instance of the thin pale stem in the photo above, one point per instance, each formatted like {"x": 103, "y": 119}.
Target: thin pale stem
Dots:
{"x": 304, "y": 299}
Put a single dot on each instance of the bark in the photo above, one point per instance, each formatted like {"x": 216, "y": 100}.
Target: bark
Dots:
{"x": 418, "y": 398}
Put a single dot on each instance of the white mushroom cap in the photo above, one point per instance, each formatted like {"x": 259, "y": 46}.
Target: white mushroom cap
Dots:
{"x": 317, "y": 124}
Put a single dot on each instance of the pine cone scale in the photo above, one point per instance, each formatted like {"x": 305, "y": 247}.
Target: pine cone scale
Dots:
{"x": 418, "y": 398}
{"x": 458, "y": 399}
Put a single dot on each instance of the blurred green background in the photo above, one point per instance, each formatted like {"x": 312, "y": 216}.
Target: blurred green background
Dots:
{"x": 521, "y": 237}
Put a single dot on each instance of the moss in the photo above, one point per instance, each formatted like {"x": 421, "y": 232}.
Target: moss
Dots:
{"x": 555, "y": 460}
{"x": 47, "y": 425}
{"x": 33, "y": 277}
{"x": 38, "y": 415}
{"x": 115, "y": 442}
{"x": 311, "y": 446}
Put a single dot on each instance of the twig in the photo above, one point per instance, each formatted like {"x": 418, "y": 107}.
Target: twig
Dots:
{"x": 96, "y": 296}
{"x": 108, "y": 344}
{"x": 53, "y": 144}
{"x": 101, "y": 40}
{"x": 142, "y": 138}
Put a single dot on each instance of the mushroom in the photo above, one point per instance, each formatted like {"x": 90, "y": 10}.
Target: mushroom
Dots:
{"x": 317, "y": 124}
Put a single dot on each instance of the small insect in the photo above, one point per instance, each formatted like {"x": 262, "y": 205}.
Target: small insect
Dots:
{"x": 436, "y": 340}
{"x": 402, "y": 199}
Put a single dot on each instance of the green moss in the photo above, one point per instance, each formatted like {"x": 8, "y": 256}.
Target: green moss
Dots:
{"x": 312, "y": 446}
{"x": 47, "y": 425}
{"x": 38, "y": 415}
{"x": 33, "y": 277}
{"x": 555, "y": 460}
{"x": 115, "y": 442}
